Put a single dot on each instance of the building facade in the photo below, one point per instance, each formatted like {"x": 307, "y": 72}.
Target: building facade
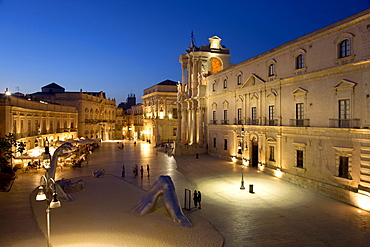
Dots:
{"x": 300, "y": 111}
{"x": 96, "y": 113}
{"x": 36, "y": 124}
{"x": 160, "y": 112}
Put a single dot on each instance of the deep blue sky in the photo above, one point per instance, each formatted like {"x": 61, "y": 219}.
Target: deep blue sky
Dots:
{"x": 126, "y": 46}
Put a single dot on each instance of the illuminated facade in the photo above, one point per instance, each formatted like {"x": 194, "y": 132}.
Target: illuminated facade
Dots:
{"x": 300, "y": 111}
{"x": 197, "y": 64}
{"x": 160, "y": 112}
{"x": 35, "y": 123}
{"x": 96, "y": 113}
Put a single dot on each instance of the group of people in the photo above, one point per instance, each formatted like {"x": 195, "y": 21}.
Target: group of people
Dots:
{"x": 197, "y": 197}
{"x": 136, "y": 171}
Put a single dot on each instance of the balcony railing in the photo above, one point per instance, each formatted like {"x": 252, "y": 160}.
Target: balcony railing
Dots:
{"x": 344, "y": 123}
{"x": 271, "y": 122}
{"x": 239, "y": 122}
{"x": 224, "y": 121}
{"x": 213, "y": 122}
{"x": 251, "y": 121}
{"x": 299, "y": 122}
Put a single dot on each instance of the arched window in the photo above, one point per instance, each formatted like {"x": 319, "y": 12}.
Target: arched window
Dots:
{"x": 344, "y": 48}
{"x": 239, "y": 80}
{"x": 214, "y": 86}
{"x": 271, "y": 69}
{"x": 299, "y": 61}
{"x": 225, "y": 83}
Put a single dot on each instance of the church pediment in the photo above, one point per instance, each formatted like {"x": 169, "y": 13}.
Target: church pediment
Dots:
{"x": 253, "y": 80}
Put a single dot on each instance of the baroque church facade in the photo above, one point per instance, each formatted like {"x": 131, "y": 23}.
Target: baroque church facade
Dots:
{"x": 300, "y": 112}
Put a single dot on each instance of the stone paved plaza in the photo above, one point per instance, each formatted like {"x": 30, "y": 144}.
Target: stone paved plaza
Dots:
{"x": 277, "y": 214}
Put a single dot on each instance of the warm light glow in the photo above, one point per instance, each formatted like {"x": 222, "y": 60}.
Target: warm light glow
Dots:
{"x": 362, "y": 201}
{"x": 233, "y": 159}
{"x": 278, "y": 173}
{"x": 40, "y": 194}
{"x": 161, "y": 114}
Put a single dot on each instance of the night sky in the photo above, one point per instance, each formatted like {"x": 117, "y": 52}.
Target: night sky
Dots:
{"x": 126, "y": 46}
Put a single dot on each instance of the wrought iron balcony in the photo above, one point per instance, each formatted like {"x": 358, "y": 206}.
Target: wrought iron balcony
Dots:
{"x": 299, "y": 122}
{"x": 271, "y": 122}
{"x": 239, "y": 122}
{"x": 251, "y": 121}
{"x": 344, "y": 123}
{"x": 213, "y": 122}
{"x": 224, "y": 121}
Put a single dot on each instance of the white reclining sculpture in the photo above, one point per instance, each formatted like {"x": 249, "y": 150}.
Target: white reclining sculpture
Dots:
{"x": 162, "y": 186}
{"x": 53, "y": 167}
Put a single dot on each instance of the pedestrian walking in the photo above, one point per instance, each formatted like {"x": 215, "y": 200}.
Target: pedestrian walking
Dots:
{"x": 142, "y": 171}
{"x": 123, "y": 171}
{"x": 135, "y": 171}
{"x": 148, "y": 169}
{"x": 195, "y": 198}
{"x": 199, "y": 200}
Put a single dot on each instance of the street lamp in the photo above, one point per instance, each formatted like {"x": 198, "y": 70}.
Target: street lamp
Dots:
{"x": 241, "y": 151}
{"x": 47, "y": 192}
{"x": 242, "y": 183}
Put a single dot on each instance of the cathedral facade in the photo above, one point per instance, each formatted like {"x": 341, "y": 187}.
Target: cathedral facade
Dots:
{"x": 300, "y": 112}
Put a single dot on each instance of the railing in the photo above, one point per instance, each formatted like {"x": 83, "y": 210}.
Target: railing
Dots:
{"x": 299, "y": 122}
{"x": 271, "y": 122}
{"x": 344, "y": 123}
{"x": 238, "y": 122}
{"x": 225, "y": 122}
{"x": 251, "y": 121}
{"x": 213, "y": 122}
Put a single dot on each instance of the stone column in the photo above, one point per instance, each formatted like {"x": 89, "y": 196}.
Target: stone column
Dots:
{"x": 278, "y": 151}
{"x": 190, "y": 125}
{"x": 195, "y": 124}
{"x": 179, "y": 123}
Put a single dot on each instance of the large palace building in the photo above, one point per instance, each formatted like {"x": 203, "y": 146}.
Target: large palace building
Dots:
{"x": 300, "y": 111}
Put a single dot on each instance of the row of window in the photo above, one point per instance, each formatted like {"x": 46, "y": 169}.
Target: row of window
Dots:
{"x": 40, "y": 129}
{"x": 344, "y": 50}
{"x": 343, "y": 120}
{"x": 343, "y": 161}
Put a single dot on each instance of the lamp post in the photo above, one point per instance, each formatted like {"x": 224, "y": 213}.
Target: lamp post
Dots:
{"x": 242, "y": 183}
{"x": 241, "y": 147}
{"x": 47, "y": 192}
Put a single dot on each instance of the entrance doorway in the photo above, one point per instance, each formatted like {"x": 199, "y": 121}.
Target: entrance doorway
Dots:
{"x": 254, "y": 158}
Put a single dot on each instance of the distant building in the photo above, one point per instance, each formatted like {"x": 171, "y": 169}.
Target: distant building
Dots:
{"x": 130, "y": 101}
{"x": 96, "y": 113}
{"x": 300, "y": 111}
{"x": 160, "y": 112}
